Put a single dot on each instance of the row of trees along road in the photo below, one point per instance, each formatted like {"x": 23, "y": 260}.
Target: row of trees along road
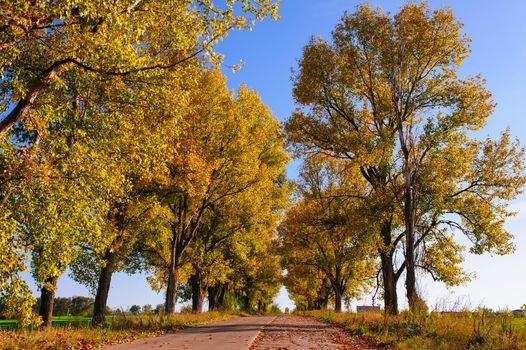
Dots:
{"x": 123, "y": 150}
{"x": 388, "y": 130}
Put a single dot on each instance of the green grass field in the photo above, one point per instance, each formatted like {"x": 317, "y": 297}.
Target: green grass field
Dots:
{"x": 58, "y": 321}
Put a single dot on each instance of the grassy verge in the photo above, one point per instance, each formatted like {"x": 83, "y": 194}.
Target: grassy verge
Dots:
{"x": 437, "y": 331}
{"x": 120, "y": 330}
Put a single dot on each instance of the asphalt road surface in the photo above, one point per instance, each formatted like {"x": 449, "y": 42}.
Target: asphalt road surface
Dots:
{"x": 254, "y": 333}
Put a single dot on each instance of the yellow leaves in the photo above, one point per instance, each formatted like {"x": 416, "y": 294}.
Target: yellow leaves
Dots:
{"x": 18, "y": 302}
{"x": 384, "y": 97}
{"x": 317, "y": 63}
{"x": 326, "y": 228}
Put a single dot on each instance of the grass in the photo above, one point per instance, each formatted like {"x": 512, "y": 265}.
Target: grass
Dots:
{"x": 438, "y": 331}
{"x": 66, "y": 334}
{"x": 58, "y": 321}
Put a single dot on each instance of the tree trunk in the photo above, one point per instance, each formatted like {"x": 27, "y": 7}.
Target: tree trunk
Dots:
{"x": 388, "y": 273}
{"x": 47, "y": 299}
{"x": 180, "y": 240}
{"x": 389, "y": 281}
{"x": 338, "y": 287}
{"x": 171, "y": 289}
{"x": 171, "y": 292}
{"x": 406, "y": 144}
{"x": 337, "y": 300}
{"x": 324, "y": 302}
{"x": 410, "y": 281}
{"x": 221, "y": 300}
{"x": 198, "y": 293}
{"x": 103, "y": 289}
{"x": 246, "y": 303}
{"x": 216, "y": 297}
{"x": 22, "y": 108}
{"x": 213, "y": 296}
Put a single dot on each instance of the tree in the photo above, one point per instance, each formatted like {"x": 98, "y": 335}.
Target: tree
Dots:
{"x": 56, "y": 211}
{"x": 79, "y": 82}
{"x": 385, "y": 95}
{"x": 133, "y": 153}
{"x": 40, "y": 42}
{"x": 229, "y": 150}
{"x": 16, "y": 298}
{"x": 147, "y": 309}
{"x": 307, "y": 286}
{"x": 326, "y": 230}
{"x": 340, "y": 114}
{"x": 72, "y": 306}
{"x": 135, "y": 309}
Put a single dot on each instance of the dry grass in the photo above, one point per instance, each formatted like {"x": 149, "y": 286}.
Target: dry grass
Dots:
{"x": 438, "y": 331}
{"x": 122, "y": 329}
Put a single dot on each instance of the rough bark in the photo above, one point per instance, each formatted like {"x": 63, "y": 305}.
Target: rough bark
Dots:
{"x": 389, "y": 284}
{"x": 183, "y": 234}
{"x": 406, "y": 145}
{"x": 216, "y": 297}
{"x": 338, "y": 286}
{"x": 198, "y": 292}
{"x": 389, "y": 278}
{"x": 337, "y": 300}
{"x": 171, "y": 289}
{"x": 47, "y": 299}
{"x": 103, "y": 289}
{"x": 409, "y": 218}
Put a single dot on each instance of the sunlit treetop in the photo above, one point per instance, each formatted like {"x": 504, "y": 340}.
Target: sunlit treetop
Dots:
{"x": 40, "y": 40}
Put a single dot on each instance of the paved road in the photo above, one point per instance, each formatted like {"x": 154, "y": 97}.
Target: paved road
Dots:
{"x": 235, "y": 334}
{"x": 256, "y": 333}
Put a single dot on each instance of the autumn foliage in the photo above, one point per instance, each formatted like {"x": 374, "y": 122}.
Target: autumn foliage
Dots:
{"x": 123, "y": 150}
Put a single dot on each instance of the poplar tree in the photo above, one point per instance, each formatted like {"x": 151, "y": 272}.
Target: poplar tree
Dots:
{"x": 385, "y": 95}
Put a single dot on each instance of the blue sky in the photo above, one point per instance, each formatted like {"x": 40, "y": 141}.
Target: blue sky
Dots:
{"x": 271, "y": 50}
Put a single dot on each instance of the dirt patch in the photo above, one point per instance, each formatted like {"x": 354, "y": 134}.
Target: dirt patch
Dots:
{"x": 295, "y": 333}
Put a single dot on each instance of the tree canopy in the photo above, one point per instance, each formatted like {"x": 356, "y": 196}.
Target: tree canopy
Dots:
{"x": 384, "y": 94}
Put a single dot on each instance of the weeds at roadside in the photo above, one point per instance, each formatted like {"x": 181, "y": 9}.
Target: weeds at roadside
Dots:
{"x": 481, "y": 330}
{"x": 119, "y": 329}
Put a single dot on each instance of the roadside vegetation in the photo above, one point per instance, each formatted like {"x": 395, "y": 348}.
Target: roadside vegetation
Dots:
{"x": 482, "y": 329}
{"x": 119, "y": 329}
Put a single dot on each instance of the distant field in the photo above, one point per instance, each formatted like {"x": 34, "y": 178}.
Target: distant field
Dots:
{"x": 58, "y": 321}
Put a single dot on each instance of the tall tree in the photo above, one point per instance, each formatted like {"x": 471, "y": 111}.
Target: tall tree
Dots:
{"x": 120, "y": 130}
{"x": 326, "y": 230}
{"x": 387, "y": 88}
{"x": 228, "y": 148}
{"x": 342, "y": 114}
